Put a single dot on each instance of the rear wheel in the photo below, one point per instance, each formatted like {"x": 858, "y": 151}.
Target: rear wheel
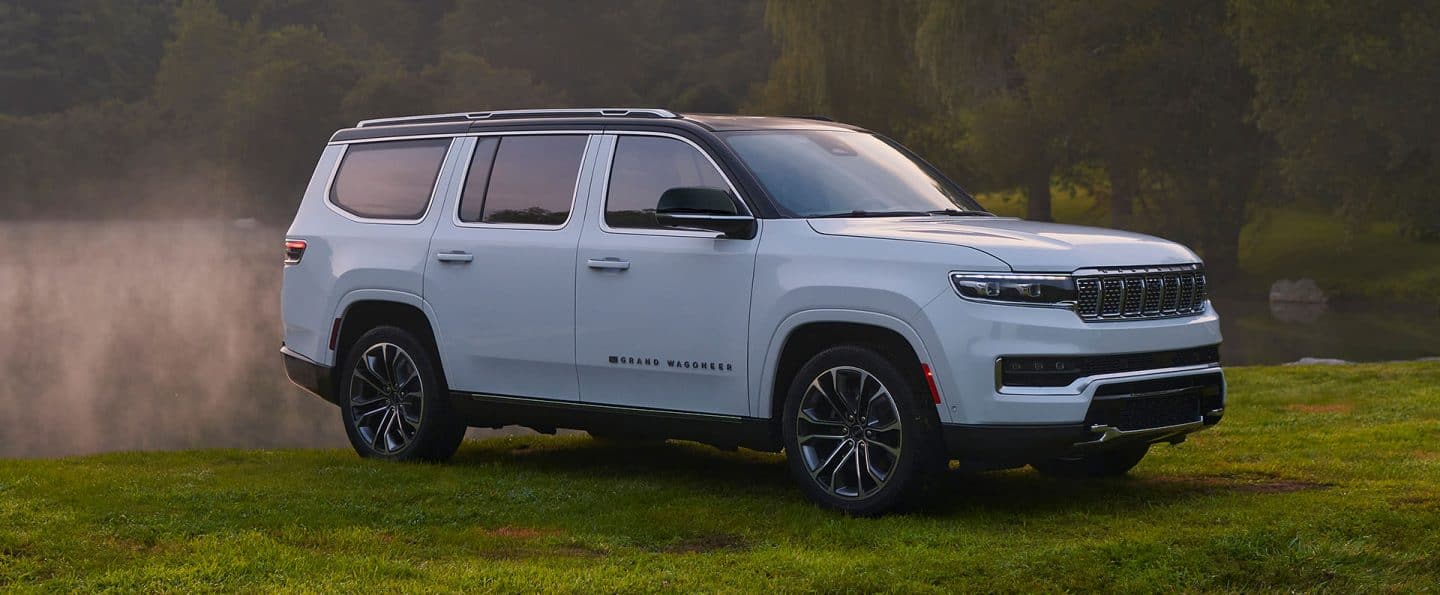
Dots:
{"x": 1109, "y": 463}
{"x": 859, "y": 436}
{"x": 394, "y": 403}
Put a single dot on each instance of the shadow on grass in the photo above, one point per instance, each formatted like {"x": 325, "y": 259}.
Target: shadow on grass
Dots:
{"x": 763, "y": 475}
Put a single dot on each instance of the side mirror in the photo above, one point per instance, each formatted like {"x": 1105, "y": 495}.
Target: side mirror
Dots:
{"x": 708, "y": 209}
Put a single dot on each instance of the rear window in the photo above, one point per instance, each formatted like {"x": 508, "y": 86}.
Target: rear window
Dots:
{"x": 526, "y": 179}
{"x": 388, "y": 180}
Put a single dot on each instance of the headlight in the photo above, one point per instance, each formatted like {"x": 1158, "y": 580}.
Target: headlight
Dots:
{"x": 1056, "y": 291}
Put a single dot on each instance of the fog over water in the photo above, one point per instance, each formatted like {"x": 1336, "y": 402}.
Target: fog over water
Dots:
{"x": 126, "y": 335}
{"x": 146, "y": 335}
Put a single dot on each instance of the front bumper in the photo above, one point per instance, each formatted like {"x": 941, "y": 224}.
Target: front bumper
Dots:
{"x": 1122, "y": 414}
{"x": 1012, "y": 425}
{"x": 964, "y": 340}
{"x": 308, "y": 375}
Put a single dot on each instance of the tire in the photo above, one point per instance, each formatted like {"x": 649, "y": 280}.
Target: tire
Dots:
{"x": 393, "y": 409}
{"x": 897, "y": 440}
{"x": 1109, "y": 463}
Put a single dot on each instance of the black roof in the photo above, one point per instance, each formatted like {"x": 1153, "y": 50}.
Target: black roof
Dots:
{"x": 599, "y": 119}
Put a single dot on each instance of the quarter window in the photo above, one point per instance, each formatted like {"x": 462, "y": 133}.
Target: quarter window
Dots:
{"x": 523, "y": 179}
{"x": 643, "y": 169}
{"x": 388, "y": 180}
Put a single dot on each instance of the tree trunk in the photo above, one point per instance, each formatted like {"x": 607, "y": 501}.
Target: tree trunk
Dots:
{"x": 1124, "y": 188}
{"x": 1037, "y": 195}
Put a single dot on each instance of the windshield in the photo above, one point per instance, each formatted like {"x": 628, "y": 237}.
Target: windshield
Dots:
{"x": 819, "y": 173}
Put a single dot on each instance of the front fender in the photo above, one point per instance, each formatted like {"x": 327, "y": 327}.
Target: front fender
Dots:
{"x": 763, "y": 385}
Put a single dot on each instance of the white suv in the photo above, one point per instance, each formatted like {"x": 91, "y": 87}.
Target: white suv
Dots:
{"x": 773, "y": 283}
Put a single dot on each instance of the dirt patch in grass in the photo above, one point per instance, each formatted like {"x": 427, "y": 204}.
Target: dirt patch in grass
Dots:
{"x": 1426, "y": 455}
{"x": 1328, "y": 408}
{"x": 701, "y": 544}
{"x": 521, "y": 532}
{"x": 1421, "y": 502}
{"x": 1220, "y": 483}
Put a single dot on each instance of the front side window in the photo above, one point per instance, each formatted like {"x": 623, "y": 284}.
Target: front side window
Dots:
{"x": 527, "y": 179}
{"x": 388, "y": 180}
{"x": 819, "y": 173}
{"x": 643, "y": 169}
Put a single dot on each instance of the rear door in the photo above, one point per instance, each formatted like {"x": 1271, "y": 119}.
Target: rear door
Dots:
{"x": 662, "y": 315}
{"x": 501, "y": 276}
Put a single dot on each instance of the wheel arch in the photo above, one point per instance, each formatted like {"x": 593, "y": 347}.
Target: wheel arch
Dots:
{"x": 363, "y": 310}
{"x": 804, "y": 334}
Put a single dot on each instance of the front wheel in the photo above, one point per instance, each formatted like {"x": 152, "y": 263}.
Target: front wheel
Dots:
{"x": 859, "y": 436}
{"x": 394, "y": 402}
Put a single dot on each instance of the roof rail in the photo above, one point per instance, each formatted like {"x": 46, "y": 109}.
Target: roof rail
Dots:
{"x": 607, "y": 112}
{"x": 812, "y": 117}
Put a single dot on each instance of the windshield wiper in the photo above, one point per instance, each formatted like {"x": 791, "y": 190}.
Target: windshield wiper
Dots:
{"x": 960, "y": 213}
{"x": 871, "y": 214}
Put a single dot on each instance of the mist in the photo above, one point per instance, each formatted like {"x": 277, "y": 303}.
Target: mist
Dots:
{"x": 143, "y": 335}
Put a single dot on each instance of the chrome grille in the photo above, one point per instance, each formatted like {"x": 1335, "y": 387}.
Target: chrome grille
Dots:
{"x": 1140, "y": 293}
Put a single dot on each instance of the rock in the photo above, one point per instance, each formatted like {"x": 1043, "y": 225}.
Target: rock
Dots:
{"x": 1297, "y": 312}
{"x": 1303, "y": 291}
{"x": 1318, "y": 361}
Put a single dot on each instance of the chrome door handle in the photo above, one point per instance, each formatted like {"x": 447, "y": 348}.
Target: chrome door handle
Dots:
{"x": 608, "y": 263}
{"x": 454, "y": 256}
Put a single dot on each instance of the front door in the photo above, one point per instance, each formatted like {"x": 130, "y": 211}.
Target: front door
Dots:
{"x": 661, "y": 315}
{"x": 501, "y": 276}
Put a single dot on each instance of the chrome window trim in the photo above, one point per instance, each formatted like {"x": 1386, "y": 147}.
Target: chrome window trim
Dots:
{"x": 587, "y": 156}
{"x": 609, "y": 164}
{"x": 434, "y": 185}
{"x": 384, "y": 139}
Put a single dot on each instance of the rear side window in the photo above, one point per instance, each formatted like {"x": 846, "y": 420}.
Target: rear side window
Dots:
{"x": 388, "y": 180}
{"x": 644, "y": 168}
{"x": 526, "y": 179}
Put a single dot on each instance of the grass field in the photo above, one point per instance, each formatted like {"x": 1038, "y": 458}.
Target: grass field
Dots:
{"x": 1319, "y": 478}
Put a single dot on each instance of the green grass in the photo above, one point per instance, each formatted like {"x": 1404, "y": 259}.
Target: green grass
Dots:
{"x": 1319, "y": 478}
{"x": 1369, "y": 261}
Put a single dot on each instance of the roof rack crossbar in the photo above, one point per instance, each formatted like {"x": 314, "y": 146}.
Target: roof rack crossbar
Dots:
{"x": 608, "y": 112}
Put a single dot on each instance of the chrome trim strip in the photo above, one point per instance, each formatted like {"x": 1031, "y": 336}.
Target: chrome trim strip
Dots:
{"x": 1081, "y": 385}
{"x": 1112, "y": 433}
{"x": 536, "y": 113}
{"x": 383, "y": 139}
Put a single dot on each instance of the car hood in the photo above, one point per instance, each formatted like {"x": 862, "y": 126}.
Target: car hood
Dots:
{"x": 1024, "y": 245}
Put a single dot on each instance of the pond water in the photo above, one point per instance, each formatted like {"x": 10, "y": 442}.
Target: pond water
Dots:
{"x": 164, "y": 335}
{"x": 1257, "y": 332}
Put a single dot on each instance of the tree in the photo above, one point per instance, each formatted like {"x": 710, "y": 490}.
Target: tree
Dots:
{"x": 279, "y": 113}
{"x": 1348, "y": 89}
{"x": 1153, "y": 92}
{"x": 848, "y": 59}
{"x": 970, "y": 52}
{"x": 208, "y": 53}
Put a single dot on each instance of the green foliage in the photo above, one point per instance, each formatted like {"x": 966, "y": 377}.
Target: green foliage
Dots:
{"x": 1321, "y": 478}
{"x": 1178, "y": 118}
{"x": 282, "y": 98}
{"x": 59, "y": 55}
{"x": 1348, "y": 90}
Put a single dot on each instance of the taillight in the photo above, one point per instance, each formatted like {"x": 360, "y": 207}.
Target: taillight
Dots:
{"x": 294, "y": 250}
